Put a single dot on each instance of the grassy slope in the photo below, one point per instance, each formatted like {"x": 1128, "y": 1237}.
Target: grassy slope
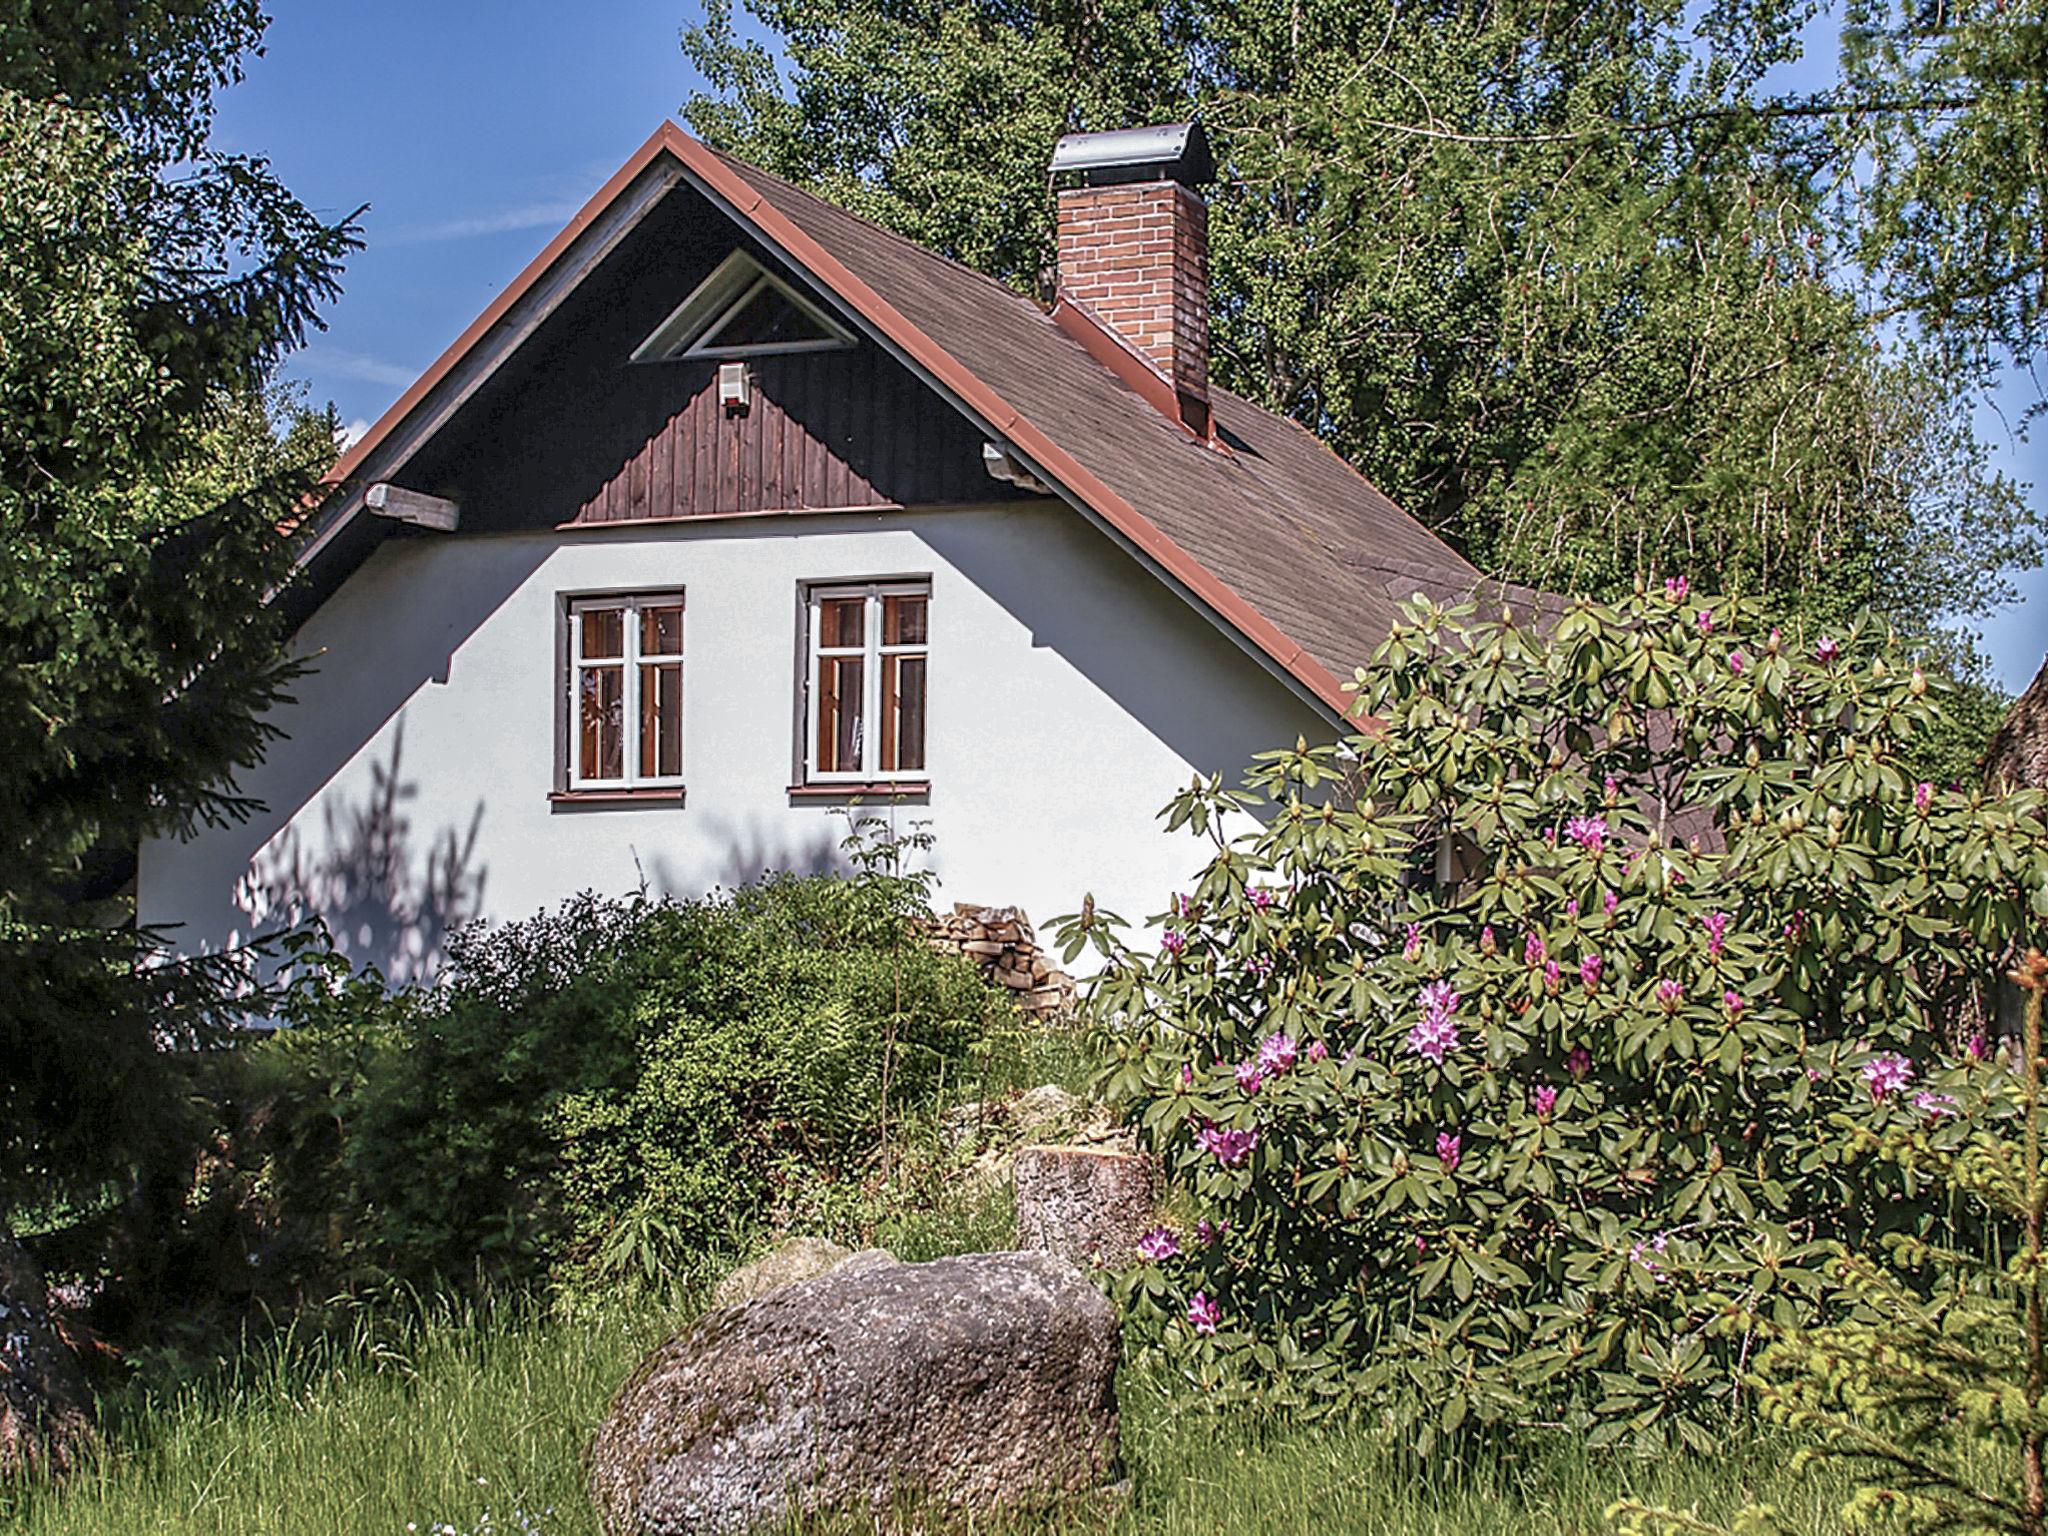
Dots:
{"x": 430, "y": 1423}
{"x": 483, "y": 1413}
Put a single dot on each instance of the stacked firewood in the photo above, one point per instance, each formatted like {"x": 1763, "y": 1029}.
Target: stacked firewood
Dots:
{"x": 1001, "y": 941}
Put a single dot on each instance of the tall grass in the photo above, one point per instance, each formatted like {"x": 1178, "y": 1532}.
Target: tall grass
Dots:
{"x": 457, "y": 1413}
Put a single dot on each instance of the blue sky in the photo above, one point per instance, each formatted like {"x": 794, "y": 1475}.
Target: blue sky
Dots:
{"x": 474, "y": 131}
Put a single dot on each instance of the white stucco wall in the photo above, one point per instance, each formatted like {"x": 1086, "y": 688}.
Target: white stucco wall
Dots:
{"x": 1070, "y": 696}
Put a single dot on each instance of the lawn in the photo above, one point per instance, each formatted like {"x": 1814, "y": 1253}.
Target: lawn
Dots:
{"x": 475, "y": 1418}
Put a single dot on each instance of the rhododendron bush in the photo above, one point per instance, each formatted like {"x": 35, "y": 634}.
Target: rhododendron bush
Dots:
{"x": 1518, "y": 1058}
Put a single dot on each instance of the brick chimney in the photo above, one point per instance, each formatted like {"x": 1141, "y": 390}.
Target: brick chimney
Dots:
{"x": 1134, "y": 249}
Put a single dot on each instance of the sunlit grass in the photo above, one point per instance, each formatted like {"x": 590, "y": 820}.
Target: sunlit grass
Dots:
{"x": 443, "y": 1418}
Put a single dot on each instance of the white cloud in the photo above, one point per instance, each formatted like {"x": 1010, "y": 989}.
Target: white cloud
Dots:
{"x": 351, "y": 433}
{"x": 337, "y": 363}
{"x": 527, "y": 216}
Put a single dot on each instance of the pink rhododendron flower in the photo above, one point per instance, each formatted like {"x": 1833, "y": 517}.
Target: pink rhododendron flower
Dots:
{"x": 1413, "y": 946}
{"x": 1579, "y": 1062}
{"x": 1923, "y": 795}
{"x": 1159, "y": 1243}
{"x": 1589, "y": 973}
{"x": 1449, "y": 1150}
{"x": 1676, "y": 588}
{"x": 1670, "y": 993}
{"x": 1277, "y": 1053}
{"x": 1551, "y": 976}
{"x": 1589, "y": 832}
{"x": 1173, "y": 941}
{"x": 1734, "y": 1003}
{"x": 1775, "y": 643}
{"x": 1934, "y": 1105}
{"x": 1207, "y": 1233}
{"x": 1887, "y": 1072}
{"x": 1421, "y": 1245}
{"x": 1183, "y": 905}
{"x": 1571, "y": 908}
{"x": 1261, "y": 897}
{"x": 1544, "y": 1099}
{"x": 1813, "y": 1074}
{"x": 1609, "y": 900}
{"x": 1488, "y": 945}
{"x": 1260, "y": 966}
{"x": 1316, "y": 1051}
{"x": 1827, "y": 650}
{"x": 1249, "y": 1077}
{"x": 1978, "y": 1047}
{"x": 1609, "y": 787}
{"x": 1736, "y": 662}
{"x": 1230, "y": 1148}
{"x": 1203, "y": 1313}
{"x": 1532, "y": 949}
{"x": 1187, "y": 1074}
{"x": 1717, "y": 931}
{"x": 1435, "y": 1034}
{"x": 1704, "y": 621}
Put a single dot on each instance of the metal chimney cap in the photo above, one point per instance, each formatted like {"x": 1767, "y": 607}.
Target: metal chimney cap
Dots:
{"x": 1169, "y": 152}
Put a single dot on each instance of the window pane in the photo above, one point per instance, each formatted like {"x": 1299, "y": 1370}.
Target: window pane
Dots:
{"x": 766, "y": 319}
{"x": 604, "y": 633}
{"x": 842, "y": 621}
{"x": 903, "y": 620}
{"x": 601, "y": 707}
{"x": 903, "y": 714}
{"x": 840, "y": 685}
{"x": 661, "y": 720}
{"x": 661, "y": 631}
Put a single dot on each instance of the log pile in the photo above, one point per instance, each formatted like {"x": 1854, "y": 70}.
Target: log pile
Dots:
{"x": 1001, "y": 941}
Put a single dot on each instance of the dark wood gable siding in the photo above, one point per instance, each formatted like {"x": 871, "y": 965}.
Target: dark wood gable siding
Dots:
{"x": 824, "y": 429}
{"x": 573, "y": 432}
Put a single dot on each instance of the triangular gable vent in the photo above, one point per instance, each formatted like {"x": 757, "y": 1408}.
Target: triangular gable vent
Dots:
{"x": 742, "y": 310}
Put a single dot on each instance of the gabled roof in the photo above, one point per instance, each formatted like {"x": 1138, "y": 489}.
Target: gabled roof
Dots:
{"x": 1281, "y": 543}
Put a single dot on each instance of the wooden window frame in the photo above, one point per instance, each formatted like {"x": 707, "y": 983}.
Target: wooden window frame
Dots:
{"x": 869, "y": 775}
{"x": 570, "y": 783}
{"x": 692, "y": 327}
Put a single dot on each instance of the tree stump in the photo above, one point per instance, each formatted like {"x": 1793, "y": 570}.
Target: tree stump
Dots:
{"x": 45, "y": 1407}
{"x": 1089, "y": 1205}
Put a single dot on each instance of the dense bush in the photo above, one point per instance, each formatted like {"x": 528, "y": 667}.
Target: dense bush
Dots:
{"x": 1496, "y": 1057}
{"x": 615, "y": 1082}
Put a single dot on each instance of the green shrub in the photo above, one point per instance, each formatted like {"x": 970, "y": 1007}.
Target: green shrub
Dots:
{"x": 615, "y": 1084}
{"x": 1497, "y": 1056}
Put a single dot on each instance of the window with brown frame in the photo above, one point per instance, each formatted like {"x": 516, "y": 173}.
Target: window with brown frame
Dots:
{"x": 625, "y": 692}
{"x": 867, "y": 659}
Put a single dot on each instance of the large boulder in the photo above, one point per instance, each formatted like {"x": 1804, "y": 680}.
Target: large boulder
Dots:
{"x": 45, "y": 1408}
{"x": 970, "y": 1382}
{"x": 797, "y": 1258}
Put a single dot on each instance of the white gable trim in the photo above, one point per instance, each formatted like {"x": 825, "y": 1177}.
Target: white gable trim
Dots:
{"x": 693, "y": 326}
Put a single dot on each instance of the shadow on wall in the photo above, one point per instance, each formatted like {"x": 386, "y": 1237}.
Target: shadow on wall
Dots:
{"x": 385, "y": 904}
{"x": 749, "y": 855}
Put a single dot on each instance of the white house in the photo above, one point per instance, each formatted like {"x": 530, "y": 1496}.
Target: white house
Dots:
{"x": 735, "y": 510}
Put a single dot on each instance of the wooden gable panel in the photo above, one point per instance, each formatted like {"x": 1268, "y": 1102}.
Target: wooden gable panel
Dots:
{"x": 823, "y": 429}
{"x": 573, "y": 431}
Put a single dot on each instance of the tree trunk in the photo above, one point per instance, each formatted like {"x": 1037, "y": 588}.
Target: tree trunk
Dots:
{"x": 45, "y": 1407}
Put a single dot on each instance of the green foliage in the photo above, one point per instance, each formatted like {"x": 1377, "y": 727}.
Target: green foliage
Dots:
{"x": 1561, "y": 283}
{"x": 1559, "y": 974}
{"x": 1944, "y": 124}
{"x": 609, "y": 1089}
{"x": 1930, "y": 1393}
{"x": 144, "y": 480}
